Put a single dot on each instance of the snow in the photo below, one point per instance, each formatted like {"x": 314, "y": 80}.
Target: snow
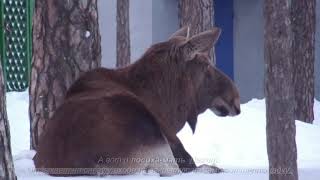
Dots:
{"x": 241, "y": 141}
{"x": 236, "y": 144}
{"x": 87, "y": 34}
{"x": 18, "y": 115}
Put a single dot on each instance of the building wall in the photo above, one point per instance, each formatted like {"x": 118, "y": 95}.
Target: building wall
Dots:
{"x": 107, "y": 22}
{"x": 140, "y": 29}
{"x": 224, "y": 51}
{"x": 317, "y": 44}
{"x": 165, "y": 19}
{"x": 152, "y": 21}
{"x": 248, "y": 48}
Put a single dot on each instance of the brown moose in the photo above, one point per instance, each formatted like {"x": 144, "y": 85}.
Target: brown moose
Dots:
{"x": 125, "y": 120}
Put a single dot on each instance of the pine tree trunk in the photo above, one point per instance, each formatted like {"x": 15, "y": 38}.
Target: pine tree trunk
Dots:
{"x": 66, "y": 43}
{"x": 6, "y": 163}
{"x": 123, "y": 33}
{"x": 303, "y": 16}
{"x": 279, "y": 89}
{"x": 198, "y": 15}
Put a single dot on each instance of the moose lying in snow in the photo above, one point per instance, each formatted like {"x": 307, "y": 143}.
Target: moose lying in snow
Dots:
{"x": 125, "y": 120}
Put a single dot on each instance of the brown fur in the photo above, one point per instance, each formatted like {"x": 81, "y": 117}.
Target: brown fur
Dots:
{"x": 124, "y": 112}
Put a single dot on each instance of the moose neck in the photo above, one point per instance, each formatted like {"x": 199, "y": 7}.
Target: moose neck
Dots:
{"x": 165, "y": 89}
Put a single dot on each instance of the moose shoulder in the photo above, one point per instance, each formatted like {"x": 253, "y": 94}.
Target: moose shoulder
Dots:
{"x": 136, "y": 111}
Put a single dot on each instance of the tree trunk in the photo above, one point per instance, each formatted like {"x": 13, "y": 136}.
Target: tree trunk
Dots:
{"x": 279, "y": 89}
{"x": 198, "y": 15}
{"x": 123, "y": 33}
{"x": 66, "y": 43}
{"x": 303, "y": 27}
{"x": 6, "y": 163}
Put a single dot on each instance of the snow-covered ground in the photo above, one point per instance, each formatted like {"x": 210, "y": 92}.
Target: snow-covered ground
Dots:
{"x": 236, "y": 144}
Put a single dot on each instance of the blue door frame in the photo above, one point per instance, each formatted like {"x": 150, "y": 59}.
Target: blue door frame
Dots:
{"x": 223, "y": 12}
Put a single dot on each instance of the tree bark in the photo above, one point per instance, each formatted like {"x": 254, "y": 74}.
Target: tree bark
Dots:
{"x": 66, "y": 43}
{"x": 303, "y": 27}
{"x": 198, "y": 15}
{"x": 123, "y": 33}
{"x": 6, "y": 163}
{"x": 279, "y": 91}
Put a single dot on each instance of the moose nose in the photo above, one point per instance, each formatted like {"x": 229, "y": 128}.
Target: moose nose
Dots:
{"x": 237, "y": 111}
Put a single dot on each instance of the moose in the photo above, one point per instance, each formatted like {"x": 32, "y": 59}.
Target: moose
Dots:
{"x": 122, "y": 121}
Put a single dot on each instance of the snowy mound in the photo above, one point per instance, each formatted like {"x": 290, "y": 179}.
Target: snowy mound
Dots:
{"x": 241, "y": 141}
{"x": 236, "y": 144}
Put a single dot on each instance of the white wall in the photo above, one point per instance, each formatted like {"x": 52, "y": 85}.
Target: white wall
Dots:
{"x": 249, "y": 48}
{"x": 140, "y": 13}
{"x": 140, "y": 27}
{"x": 165, "y": 19}
{"x": 107, "y": 22}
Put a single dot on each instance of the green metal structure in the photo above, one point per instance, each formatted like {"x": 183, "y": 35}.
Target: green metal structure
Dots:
{"x": 16, "y": 42}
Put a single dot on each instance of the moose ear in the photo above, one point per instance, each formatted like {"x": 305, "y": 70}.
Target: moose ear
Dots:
{"x": 183, "y": 32}
{"x": 202, "y": 42}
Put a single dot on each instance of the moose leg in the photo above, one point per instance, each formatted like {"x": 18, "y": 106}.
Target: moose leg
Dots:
{"x": 186, "y": 162}
{"x": 183, "y": 158}
{"x": 167, "y": 166}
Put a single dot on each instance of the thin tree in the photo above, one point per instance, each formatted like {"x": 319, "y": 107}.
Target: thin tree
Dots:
{"x": 303, "y": 14}
{"x": 6, "y": 163}
{"x": 123, "y": 33}
{"x": 66, "y": 43}
{"x": 198, "y": 15}
{"x": 279, "y": 91}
